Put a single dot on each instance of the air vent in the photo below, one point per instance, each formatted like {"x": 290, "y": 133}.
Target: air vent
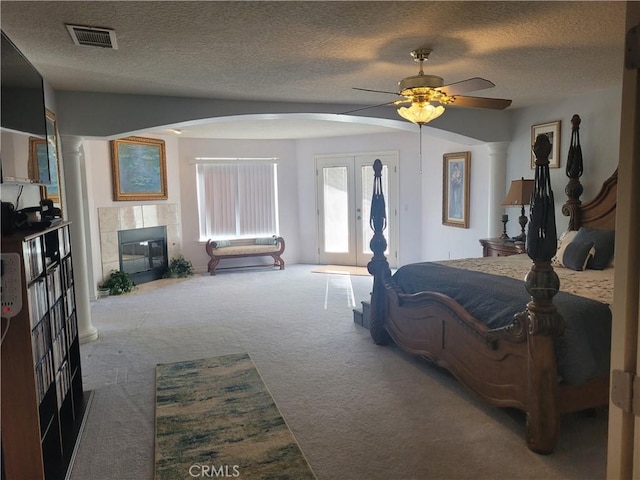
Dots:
{"x": 93, "y": 36}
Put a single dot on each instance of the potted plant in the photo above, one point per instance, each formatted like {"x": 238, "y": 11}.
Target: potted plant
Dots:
{"x": 118, "y": 283}
{"x": 103, "y": 292}
{"x": 179, "y": 267}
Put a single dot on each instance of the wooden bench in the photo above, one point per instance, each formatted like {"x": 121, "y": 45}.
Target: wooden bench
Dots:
{"x": 245, "y": 247}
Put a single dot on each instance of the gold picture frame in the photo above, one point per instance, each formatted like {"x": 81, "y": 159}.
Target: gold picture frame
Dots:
{"x": 552, "y": 131}
{"x": 44, "y": 161}
{"x": 455, "y": 189}
{"x": 37, "y": 154}
{"x": 139, "y": 167}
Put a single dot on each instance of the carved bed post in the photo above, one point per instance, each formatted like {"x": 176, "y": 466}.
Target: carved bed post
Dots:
{"x": 544, "y": 321}
{"x": 574, "y": 170}
{"x": 378, "y": 266}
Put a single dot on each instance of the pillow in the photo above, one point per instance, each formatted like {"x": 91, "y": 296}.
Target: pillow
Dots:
{"x": 565, "y": 239}
{"x": 604, "y": 243}
{"x": 222, "y": 243}
{"x": 266, "y": 241}
{"x": 577, "y": 255}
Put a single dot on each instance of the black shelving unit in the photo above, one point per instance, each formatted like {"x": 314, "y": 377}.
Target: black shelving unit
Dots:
{"x": 43, "y": 402}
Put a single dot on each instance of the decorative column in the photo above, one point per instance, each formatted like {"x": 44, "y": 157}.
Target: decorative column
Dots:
{"x": 72, "y": 157}
{"x": 497, "y": 171}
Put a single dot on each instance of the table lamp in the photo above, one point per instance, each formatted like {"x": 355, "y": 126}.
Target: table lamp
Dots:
{"x": 519, "y": 195}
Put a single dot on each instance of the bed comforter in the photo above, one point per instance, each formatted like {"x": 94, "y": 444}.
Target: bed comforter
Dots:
{"x": 582, "y": 352}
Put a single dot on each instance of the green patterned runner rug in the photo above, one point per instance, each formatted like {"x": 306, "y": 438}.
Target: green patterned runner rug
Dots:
{"x": 215, "y": 418}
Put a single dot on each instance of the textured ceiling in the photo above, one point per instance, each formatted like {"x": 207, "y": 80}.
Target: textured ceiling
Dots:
{"x": 315, "y": 52}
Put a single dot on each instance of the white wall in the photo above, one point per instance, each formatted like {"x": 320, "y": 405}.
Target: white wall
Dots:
{"x": 442, "y": 241}
{"x": 599, "y": 139}
{"x": 20, "y": 196}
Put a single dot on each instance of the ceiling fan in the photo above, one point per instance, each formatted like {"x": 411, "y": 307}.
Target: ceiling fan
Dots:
{"x": 428, "y": 94}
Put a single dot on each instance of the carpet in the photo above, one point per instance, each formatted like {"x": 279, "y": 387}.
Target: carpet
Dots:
{"x": 357, "y": 410}
{"x": 343, "y": 270}
{"x": 216, "y": 418}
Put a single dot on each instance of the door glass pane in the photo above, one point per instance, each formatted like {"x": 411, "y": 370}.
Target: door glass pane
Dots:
{"x": 336, "y": 209}
{"x": 367, "y": 193}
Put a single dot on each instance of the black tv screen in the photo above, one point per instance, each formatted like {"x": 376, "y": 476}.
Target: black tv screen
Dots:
{"x": 23, "y": 107}
{"x": 23, "y": 112}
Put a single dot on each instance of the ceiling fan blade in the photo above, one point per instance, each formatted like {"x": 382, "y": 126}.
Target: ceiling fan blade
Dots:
{"x": 375, "y": 91}
{"x": 479, "y": 102}
{"x": 370, "y": 106}
{"x": 464, "y": 86}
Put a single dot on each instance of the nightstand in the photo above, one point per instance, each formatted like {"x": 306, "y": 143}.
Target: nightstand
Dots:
{"x": 498, "y": 247}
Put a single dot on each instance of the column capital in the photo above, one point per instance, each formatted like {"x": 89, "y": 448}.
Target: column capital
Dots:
{"x": 72, "y": 143}
{"x": 498, "y": 148}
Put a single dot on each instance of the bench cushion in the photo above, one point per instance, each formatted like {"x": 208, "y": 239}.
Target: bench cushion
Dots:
{"x": 245, "y": 249}
{"x": 267, "y": 241}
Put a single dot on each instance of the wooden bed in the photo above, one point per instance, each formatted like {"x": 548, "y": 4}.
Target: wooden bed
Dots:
{"x": 513, "y": 366}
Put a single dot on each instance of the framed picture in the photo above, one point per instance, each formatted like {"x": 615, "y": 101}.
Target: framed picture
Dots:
{"x": 44, "y": 164}
{"x": 139, "y": 169}
{"x": 455, "y": 189}
{"x": 552, "y": 131}
{"x": 38, "y": 160}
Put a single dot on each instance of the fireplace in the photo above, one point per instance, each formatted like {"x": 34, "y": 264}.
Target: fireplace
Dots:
{"x": 143, "y": 253}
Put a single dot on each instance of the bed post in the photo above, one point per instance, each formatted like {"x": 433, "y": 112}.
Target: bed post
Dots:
{"x": 544, "y": 321}
{"x": 574, "y": 170}
{"x": 378, "y": 266}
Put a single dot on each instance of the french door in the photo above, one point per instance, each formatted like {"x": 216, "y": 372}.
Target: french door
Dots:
{"x": 344, "y": 190}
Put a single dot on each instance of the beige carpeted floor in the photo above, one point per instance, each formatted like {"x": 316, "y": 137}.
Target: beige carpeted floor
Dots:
{"x": 358, "y": 411}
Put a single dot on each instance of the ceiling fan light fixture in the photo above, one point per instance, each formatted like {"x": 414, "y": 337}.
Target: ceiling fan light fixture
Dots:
{"x": 424, "y": 92}
{"x": 421, "y": 113}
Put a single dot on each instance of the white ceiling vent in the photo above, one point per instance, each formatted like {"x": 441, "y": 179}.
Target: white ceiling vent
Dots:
{"x": 93, "y": 36}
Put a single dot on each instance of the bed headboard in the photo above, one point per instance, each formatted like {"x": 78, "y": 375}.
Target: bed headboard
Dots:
{"x": 599, "y": 212}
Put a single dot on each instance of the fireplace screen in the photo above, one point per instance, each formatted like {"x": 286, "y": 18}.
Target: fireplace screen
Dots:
{"x": 143, "y": 253}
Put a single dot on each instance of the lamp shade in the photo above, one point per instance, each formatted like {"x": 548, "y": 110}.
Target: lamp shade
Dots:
{"x": 421, "y": 112}
{"x": 519, "y": 193}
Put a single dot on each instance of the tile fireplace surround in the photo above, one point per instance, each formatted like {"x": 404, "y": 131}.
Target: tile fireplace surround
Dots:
{"x": 114, "y": 219}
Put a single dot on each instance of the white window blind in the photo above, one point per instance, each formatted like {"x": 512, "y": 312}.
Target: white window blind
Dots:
{"x": 237, "y": 200}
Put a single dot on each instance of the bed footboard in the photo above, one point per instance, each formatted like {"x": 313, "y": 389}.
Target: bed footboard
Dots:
{"x": 434, "y": 326}
{"x": 514, "y": 366}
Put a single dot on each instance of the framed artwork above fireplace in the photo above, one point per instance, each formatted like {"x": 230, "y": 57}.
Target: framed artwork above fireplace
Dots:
{"x": 139, "y": 169}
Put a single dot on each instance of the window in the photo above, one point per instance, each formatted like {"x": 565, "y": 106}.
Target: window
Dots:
{"x": 237, "y": 200}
